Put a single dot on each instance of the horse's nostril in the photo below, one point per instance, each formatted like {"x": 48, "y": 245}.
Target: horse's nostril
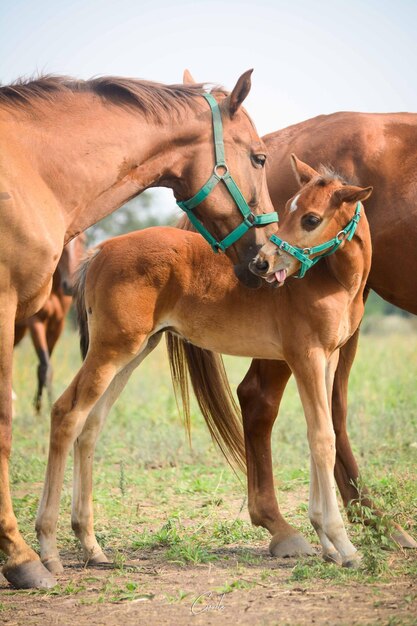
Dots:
{"x": 261, "y": 265}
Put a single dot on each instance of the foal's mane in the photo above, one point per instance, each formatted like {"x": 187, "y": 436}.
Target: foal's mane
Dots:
{"x": 327, "y": 175}
{"x": 154, "y": 100}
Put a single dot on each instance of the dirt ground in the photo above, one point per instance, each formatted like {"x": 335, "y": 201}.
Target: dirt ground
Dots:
{"x": 158, "y": 592}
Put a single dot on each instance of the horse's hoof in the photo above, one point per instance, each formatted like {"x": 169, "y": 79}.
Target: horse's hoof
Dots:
{"x": 29, "y": 575}
{"x": 403, "y": 539}
{"x": 294, "y": 545}
{"x": 353, "y": 561}
{"x": 332, "y": 557}
{"x": 98, "y": 559}
{"x": 54, "y": 565}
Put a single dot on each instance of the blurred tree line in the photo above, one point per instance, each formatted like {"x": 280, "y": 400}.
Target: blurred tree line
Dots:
{"x": 140, "y": 212}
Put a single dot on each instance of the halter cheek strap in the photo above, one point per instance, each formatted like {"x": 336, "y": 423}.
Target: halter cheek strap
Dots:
{"x": 221, "y": 173}
{"x": 329, "y": 247}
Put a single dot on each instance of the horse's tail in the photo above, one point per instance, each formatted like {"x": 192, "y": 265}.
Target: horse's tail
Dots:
{"x": 213, "y": 393}
{"x": 79, "y": 299}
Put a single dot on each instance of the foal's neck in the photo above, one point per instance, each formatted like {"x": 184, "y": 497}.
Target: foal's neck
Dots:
{"x": 95, "y": 155}
{"x": 351, "y": 263}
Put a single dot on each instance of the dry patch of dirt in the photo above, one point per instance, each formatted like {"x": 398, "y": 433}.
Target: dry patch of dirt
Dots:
{"x": 155, "y": 592}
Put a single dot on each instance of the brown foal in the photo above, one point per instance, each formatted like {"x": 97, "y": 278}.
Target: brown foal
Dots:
{"x": 73, "y": 152}
{"x": 47, "y": 325}
{"x": 379, "y": 149}
{"x": 136, "y": 286}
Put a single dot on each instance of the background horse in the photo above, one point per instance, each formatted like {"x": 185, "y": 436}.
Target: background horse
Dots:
{"x": 135, "y": 286}
{"x": 46, "y": 325}
{"x": 71, "y": 153}
{"x": 375, "y": 149}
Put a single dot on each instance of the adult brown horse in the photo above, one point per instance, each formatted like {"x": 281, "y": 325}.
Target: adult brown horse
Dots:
{"x": 46, "y": 325}
{"x": 73, "y": 152}
{"x": 375, "y": 149}
{"x": 135, "y": 286}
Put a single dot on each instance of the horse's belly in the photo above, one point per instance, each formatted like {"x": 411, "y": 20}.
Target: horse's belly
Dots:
{"x": 234, "y": 339}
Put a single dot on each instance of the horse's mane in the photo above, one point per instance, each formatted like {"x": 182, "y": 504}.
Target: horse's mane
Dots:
{"x": 154, "y": 100}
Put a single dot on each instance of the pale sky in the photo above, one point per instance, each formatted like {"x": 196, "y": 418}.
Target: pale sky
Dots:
{"x": 309, "y": 56}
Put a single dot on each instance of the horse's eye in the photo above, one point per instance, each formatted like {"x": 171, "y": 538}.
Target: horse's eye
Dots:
{"x": 258, "y": 160}
{"x": 310, "y": 221}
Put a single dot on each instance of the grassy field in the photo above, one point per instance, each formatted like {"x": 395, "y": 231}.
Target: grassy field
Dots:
{"x": 173, "y": 517}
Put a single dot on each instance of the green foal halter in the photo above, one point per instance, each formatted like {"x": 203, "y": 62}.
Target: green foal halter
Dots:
{"x": 249, "y": 218}
{"x": 327, "y": 248}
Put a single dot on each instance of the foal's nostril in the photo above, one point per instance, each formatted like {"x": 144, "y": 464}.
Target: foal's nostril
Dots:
{"x": 261, "y": 265}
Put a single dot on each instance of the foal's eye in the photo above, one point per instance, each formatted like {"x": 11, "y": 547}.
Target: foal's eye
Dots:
{"x": 310, "y": 221}
{"x": 258, "y": 160}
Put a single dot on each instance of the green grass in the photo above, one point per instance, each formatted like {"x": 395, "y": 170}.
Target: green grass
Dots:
{"x": 153, "y": 492}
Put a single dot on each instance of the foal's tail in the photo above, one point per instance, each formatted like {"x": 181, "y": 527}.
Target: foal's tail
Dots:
{"x": 79, "y": 299}
{"x": 213, "y": 393}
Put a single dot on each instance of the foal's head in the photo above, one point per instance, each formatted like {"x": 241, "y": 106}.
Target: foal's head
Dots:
{"x": 318, "y": 213}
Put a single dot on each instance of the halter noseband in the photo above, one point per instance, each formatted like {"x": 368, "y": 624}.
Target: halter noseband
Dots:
{"x": 303, "y": 254}
{"x": 249, "y": 218}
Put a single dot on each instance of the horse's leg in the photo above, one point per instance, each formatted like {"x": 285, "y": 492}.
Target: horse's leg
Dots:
{"x": 23, "y": 568}
{"x": 346, "y": 468}
{"x": 260, "y": 395}
{"x": 54, "y": 329}
{"x": 38, "y": 334}
{"x": 315, "y": 381}
{"x": 82, "y": 503}
{"x": 69, "y": 414}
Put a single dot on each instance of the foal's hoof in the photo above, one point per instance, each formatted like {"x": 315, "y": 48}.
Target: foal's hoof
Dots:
{"x": 29, "y": 575}
{"x": 353, "y": 561}
{"x": 294, "y": 545}
{"x": 54, "y": 565}
{"x": 332, "y": 557}
{"x": 403, "y": 539}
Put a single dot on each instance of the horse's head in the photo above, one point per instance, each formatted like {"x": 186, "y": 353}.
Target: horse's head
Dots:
{"x": 316, "y": 222}
{"x": 69, "y": 261}
{"x": 222, "y": 184}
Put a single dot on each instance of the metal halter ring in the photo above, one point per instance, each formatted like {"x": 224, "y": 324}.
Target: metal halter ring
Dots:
{"x": 222, "y": 165}
{"x": 307, "y": 251}
{"x": 340, "y": 235}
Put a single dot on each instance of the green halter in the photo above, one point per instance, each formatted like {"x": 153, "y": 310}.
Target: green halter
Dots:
{"x": 303, "y": 254}
{"x": 249, "y": 218}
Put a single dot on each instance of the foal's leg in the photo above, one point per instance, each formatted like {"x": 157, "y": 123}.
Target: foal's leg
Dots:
{"x": 346, "y": 468}
{"x": 23, "y": 568}
{"x": 314, "y": 377}
{"x": 260, "y": 395}
{"x": 69, "y": 414}
{"x": 82, "y": 504}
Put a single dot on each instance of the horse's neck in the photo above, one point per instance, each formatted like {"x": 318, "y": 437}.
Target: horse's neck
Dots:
{"x": 97, "y": 156}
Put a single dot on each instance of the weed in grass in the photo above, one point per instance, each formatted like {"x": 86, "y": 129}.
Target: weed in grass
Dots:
{"x": 237, "y": 531}
{"x": 235, "y": 585}
{"x": 308, "y": 569}
{"x": 190, "y": 551}
{"x": 178, "y": 597}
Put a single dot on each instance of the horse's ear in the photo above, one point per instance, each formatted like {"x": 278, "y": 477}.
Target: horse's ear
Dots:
{"x": 350, "y": 193}
{"x": 303, "y": 172}
{"x": 187, "y": 79}
{"x": 239, "y": 93}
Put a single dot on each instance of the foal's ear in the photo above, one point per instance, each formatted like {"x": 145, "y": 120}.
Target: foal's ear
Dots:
{"x": 239, "y": 93}
{"x": 187, "y": 79}
{"x": 303, "y": 172}
{"x": 350, "y": 193}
